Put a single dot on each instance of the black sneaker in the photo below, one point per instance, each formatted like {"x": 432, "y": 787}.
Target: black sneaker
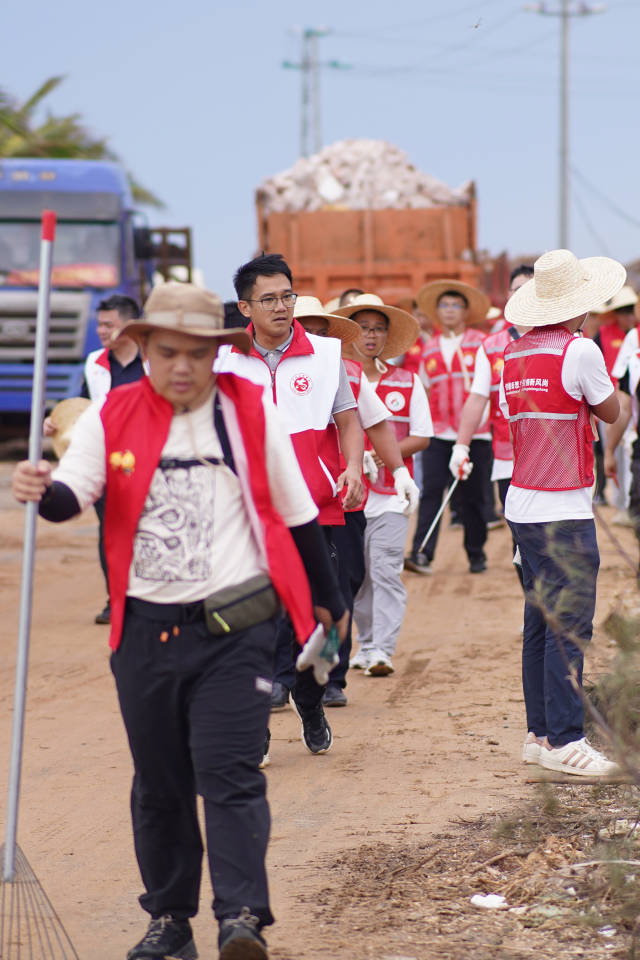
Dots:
{"x": 334, "y": 696}
{"x": 166, "y": 939}
{"x": 279, "y": 696}
{"x": 316, "y": 732}
{"x": 418, "y": 563}
{"x": 239, "y": 938}
{"x": 105, "y": 615}
{"x": 479, "y": 565}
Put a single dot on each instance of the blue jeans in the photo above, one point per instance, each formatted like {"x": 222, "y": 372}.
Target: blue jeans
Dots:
{"x": 560, "y": 563}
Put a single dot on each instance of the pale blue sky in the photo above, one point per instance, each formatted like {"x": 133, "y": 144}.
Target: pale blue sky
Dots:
{"x": 194, "y": 98}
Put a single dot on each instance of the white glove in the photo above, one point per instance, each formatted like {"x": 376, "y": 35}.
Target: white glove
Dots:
{"x": 406, "y": 489}
{"x": 369, "y": 466}
{"x": 316, "y": 653}
{"x": 459, "y": 464}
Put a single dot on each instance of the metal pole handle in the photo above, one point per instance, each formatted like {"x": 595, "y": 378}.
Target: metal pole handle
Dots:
{"x": 28, "y": 556}
{"x": 439, "y": 514}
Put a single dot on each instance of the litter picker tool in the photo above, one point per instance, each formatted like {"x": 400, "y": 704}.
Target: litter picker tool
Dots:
{"x": 439, "y": 514}
{"x": 29, "y": 925}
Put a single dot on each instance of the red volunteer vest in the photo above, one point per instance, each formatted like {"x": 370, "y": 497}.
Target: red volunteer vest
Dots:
{"x": 136, "y": 423}
{"x": 354, "y": 376}
{"x": 317, "y": 450}
{"x": 552, "y": 432}
{"x": 394, "y": 389}
{"x": 450, "y": 388}
{"x": 494, "y": 347}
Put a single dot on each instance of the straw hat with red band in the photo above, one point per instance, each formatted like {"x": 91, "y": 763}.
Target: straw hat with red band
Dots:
{"x": 403, "y": 328}
{"x": 427, "y": 299}
{"x": 338, "y": 327}
{"x": 185, "y": 308}
{"x": 563, "y": 287}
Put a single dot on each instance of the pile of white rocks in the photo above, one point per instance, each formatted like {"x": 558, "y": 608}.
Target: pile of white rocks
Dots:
{"x": 356, "y": 175}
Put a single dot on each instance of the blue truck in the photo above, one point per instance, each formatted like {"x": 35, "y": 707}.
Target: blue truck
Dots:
{"x": 99, "y": 249}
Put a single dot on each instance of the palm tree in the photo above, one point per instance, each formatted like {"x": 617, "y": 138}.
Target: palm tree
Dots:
{"x": 64, "y": 137}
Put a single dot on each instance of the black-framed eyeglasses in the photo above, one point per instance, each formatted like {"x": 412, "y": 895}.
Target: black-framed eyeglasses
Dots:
{"x": 270, "y": 303}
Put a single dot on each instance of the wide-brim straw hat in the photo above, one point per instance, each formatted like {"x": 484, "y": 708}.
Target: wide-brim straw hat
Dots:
{"x": 626, "y": 297}
{"x": 63, "y": 417}
{"x": 185, "y": 308}
{"x": 427, "y": 299}
{"x": 403, "y": 328}
{"x": 563, "y": 287}
{"x": 338, "y": 327}
{"x": 331, "y": 305}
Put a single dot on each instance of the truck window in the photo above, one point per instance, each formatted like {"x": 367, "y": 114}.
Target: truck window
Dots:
{"x": 84, "y": 254}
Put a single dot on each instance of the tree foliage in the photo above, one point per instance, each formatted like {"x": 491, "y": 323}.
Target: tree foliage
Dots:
{"x": 61, "y": 137}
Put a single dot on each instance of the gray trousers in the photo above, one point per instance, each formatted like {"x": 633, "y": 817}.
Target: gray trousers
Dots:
{"x": 379, "y": 606}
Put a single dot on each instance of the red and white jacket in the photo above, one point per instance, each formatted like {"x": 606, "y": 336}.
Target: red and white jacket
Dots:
{"x": 136, "y": 421}
{"x": 394, "y": 388}
{"x": 304, "y": 387}
{"x": 97, "y": 374}
{"x": 494, "y": 347}
{"x": 552, "y": 431}
{"x": 448, "y": 389}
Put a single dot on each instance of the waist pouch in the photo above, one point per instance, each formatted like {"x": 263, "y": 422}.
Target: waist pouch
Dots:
{"x": 240, "y": 606}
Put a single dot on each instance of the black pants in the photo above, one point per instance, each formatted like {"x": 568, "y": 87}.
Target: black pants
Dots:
{"x": 436, "y": 478}
{"x": 503, "y": 489}
{"x": 99, "y": 508}
{"x": 349, "y": 542}
{"x": 305, "y": 691}
{"x": 196, "y": 708}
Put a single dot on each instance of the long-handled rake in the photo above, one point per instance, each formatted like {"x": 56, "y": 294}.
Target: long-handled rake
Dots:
{"x": 30, "y": 929}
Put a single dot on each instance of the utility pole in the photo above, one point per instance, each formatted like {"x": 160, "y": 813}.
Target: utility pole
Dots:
{"x": 565, "y": 12}
{"x": 309, "y": 66}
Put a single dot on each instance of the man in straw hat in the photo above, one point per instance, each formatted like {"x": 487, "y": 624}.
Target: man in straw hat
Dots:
{"x": 374, "y": 416}
{"x": 554, "y": 383}
{"x": 201, "y": 485}
{"x": 380, "y": 604}
{"x": 626, "y": 370}
{"x": 309, "y": 385}
{"x": 448, "y": 366}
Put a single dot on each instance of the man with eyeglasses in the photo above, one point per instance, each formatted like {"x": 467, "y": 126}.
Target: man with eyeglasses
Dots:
{"x": 310, "y": 388}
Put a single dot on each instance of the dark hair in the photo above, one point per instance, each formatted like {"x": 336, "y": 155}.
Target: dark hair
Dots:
{"x": 523, "y": 270}
{"x": 347, "y": 292}
{"x": 268, "y": 265}
{"x": 453, "y": 293}
{"x": 127, "y": 307}
{"x": 629, "y": 308}
{"x": 371, "y": 310}
{"x": 232, "y": 316}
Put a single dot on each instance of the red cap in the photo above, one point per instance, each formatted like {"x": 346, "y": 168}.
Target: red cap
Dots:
{"x": 48, "y": 224}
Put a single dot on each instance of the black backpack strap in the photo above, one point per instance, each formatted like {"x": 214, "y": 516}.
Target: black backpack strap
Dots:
{"x": 223, "y": 436}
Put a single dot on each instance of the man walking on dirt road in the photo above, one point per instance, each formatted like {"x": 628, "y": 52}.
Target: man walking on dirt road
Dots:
{"x": 208, "y": 523}
{"x": 554, "y": 384}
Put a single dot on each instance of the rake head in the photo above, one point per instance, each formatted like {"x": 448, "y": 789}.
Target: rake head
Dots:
{"x": 30, "y": 928}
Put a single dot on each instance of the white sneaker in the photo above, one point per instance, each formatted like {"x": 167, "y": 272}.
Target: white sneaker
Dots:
{"x": 360, "y": 660}
{"x": 578, "y": 758}
{"x": 379, "y": 665}
{"x": 531, "y": 748}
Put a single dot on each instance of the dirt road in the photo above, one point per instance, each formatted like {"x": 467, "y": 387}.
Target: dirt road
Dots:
{"x": 437, "y": 742}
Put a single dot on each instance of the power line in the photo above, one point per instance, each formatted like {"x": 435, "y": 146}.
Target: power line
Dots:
{"x": 604, "y": 199}
{"x": 600, "y": 243}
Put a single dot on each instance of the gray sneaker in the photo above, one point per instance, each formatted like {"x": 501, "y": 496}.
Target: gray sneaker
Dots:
{"x": 240, "y": 939}
{"x": 166, "y": 939}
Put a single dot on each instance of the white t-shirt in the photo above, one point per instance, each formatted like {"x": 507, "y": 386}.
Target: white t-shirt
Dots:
{"x": 420, "y": 425}
{"x": 583, "y": 375}
{"x": 502, "y": 469}
{"x": 194, "y": 536}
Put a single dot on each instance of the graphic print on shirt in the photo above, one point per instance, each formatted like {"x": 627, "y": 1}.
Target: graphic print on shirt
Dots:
{"x": 175, "y": 531}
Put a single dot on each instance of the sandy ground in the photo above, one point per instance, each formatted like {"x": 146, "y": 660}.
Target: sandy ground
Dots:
{"x": 433, "y": 745}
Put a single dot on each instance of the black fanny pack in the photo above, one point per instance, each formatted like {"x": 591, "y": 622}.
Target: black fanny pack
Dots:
{"x": 240, "y": 606}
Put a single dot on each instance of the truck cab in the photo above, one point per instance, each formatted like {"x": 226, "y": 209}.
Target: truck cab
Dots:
{"x": 97, "y": 251}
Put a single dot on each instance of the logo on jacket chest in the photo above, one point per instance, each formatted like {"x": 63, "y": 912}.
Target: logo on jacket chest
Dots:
{"x": 469, "y": 359}
{"x": 301, "y": 384}
{"x": 394, "y": 401}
